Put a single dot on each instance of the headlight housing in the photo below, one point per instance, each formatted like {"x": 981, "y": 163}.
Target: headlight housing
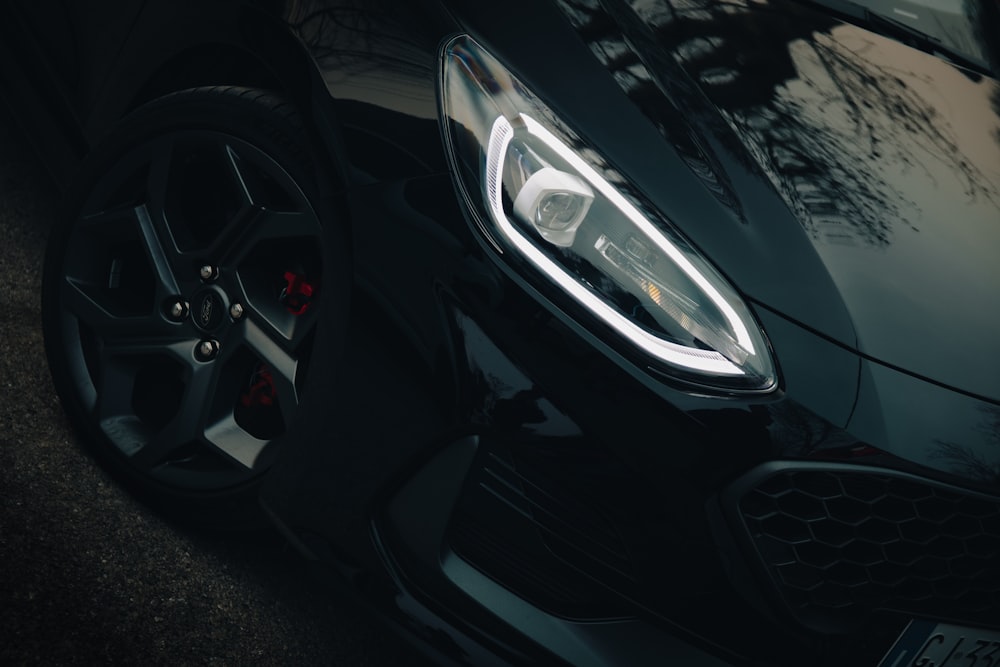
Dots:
{"x": 554, "y": 208}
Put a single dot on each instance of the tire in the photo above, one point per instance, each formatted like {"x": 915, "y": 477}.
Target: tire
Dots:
{"x": 182, "y": 296}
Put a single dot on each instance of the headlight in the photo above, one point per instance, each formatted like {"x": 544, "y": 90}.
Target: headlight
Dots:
{"x": 540, "y": 193}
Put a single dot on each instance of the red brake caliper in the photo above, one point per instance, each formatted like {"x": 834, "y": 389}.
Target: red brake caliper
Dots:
{"x": 297, "y": 293}
{"x": 261, "y": 392}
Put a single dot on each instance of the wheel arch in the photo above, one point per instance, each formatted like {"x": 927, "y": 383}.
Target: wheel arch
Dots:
{"x": 246, "y": 47}
{"x": 209, "y": 64}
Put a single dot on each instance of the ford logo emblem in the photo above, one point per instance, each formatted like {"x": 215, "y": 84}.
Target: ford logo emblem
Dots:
{"x": 205, "y": 316}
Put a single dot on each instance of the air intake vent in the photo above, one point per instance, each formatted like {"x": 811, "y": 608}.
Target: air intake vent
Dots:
{"x": 839, "y": 543}
{"x": 544, "y": 545}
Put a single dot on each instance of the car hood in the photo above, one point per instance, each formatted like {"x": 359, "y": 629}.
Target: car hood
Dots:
{"x": 887, "y": 157}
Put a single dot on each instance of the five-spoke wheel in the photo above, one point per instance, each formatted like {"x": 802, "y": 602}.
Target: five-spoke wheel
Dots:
{"x": 182, "y": 299}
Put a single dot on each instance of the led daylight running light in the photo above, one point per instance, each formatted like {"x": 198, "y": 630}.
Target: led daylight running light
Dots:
{"x": 683, "y": 310}
{"x": 707, "y": 361}
{"x": 540, "y": 194}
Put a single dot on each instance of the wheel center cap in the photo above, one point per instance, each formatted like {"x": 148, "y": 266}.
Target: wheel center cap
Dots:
{"x": 208, "y": 310}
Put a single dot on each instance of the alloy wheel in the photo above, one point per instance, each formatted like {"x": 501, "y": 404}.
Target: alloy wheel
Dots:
{"x": 188, "y": 303}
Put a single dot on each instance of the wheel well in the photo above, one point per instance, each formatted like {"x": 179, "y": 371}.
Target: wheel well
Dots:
{"x": 208, "y": 65}
{"x": 225, "y": 64}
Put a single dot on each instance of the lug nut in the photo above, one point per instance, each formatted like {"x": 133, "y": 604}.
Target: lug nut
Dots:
{"x": 207, "y": 349}
{"x": 208, "y": 273}
{"x": 178, "y": 310}
{"x": 236, "y": 311}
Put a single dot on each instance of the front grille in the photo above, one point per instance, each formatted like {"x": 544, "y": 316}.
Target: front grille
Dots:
{"x": 842, "y": 541}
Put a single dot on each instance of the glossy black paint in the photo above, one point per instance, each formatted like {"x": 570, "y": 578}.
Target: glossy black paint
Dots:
{"x": 895, "y": 173}
{"x": 863, "y": 229}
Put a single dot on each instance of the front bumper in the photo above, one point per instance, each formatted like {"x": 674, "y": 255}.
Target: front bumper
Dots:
{"x": 581, "y": 548}
{"x": 519, "y": 498}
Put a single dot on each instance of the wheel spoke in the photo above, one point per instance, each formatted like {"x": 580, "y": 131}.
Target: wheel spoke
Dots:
{"x": 228, "y": 244}
{"x": 280, "y": 224}
{"x": 291, "y": 333}
{"x": 288, "y": 337}
{"x": 114, "y": 395}
{"x": 167, "y": 236}
{"x": 288, "y": 396}
{"x": 231, "y": 228}
{"x": 262, "y": 226}
{"x": 282, "y": 364}
{"x": 178, "y": 349}
{"x": 159, "y": 248}
{"x": 120, "y": 361}
{"x": 159, "y": 240}
{"x": 112, "y": 224}
{"x": 229, "y": 438}
{"x": 272, "y": 225}
{"x": 232, "y": 231}
{"x": 188, "y": 425}
{"x": 159, "y": 176}
{"x": 84, "y": 306}
{"x": 303, "y": 326}
{"x": 107, "y": 220}
{"x": 232, "y": 161}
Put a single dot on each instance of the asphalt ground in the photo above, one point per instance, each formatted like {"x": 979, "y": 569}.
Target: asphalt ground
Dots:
{"x": 90, "y": 576}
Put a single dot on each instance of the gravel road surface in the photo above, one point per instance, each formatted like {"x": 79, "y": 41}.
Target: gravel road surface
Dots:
{"x": 88, "y": 575}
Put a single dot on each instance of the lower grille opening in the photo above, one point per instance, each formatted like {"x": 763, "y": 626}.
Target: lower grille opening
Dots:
{"x": 839, "y": 544}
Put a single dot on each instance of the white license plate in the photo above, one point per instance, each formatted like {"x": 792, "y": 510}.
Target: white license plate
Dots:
{"x": 930, "y": 644}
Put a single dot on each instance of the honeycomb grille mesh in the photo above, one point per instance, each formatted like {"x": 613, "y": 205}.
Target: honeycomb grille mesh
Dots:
{"x": 839, "y": 544}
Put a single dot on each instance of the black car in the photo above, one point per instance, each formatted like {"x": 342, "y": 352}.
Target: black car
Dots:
{"x": 599, "y": 332}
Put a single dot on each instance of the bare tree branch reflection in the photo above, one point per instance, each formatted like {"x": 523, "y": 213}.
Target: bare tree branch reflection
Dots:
{"x": 358, "y": 36}
{"x": 798, "y": 432}
{"x": 822, "y": 118}
{"x": 971, "y": 462}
